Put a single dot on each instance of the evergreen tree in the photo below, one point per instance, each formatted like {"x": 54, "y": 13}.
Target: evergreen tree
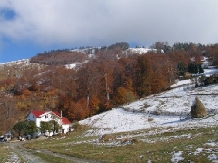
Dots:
{"x": 200, "y": 69}
{"x": 190, "y": 68}
{"x": 193, "y": 68}
{"x": 181, "y": 69}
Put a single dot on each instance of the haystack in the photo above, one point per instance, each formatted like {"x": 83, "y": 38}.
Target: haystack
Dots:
{"x": 198, "y": 110}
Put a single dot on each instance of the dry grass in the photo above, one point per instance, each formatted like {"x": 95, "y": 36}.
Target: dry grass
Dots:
{"x": 6, "y": 152}
{"x": 107, "y": 138}
{"x": 160, "y": 149}
{"x": 52, "y": 159}
{"x": 198, "y": 110}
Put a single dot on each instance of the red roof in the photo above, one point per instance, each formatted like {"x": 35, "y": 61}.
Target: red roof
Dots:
{"x": 57, "y": 113}
{"x": 65, "y": 121}
{"x": 37, "y": 113}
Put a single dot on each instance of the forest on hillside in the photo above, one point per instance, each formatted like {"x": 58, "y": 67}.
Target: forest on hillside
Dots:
{"x": 112, "y": 78}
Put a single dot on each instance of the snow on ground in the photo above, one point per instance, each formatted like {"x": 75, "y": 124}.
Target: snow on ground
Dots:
{"x": 158, "y": 111}
{"x": 71, "y": 66}
{"x": 23, "y": 61}
{"x": 213, "y": 158}
{"x": 180, "y": 83}
{"x": 176, "y": 101}
{"x": 161, "y": 110}
{"x": 177, "y": 157}
{"x": 211, "y": 70}
{"x": 142, "y": 50}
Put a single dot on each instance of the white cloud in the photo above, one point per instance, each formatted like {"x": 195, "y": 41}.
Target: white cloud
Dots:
{"x": 97, "y": 22}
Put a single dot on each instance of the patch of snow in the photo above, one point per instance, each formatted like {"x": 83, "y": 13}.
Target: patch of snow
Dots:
{"x": 142, "y": 50}
{"x": 212, "y": 144}
{"x": 91, "y": 55}
{"x": 27, "y": 61}
{"x": 210, "y": 71}
{"x": 177, "y": 157}
{"x": 213, "y": 158}
{"x": 12, "y": 157}
{"x": 198, "y": 150}
{"x": 71, "y": 66}
{"x": 181, "y": 82}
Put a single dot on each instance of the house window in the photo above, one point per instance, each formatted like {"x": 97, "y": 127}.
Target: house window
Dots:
{"x": 33, "y": 116}
{"x": 46, "y": 116}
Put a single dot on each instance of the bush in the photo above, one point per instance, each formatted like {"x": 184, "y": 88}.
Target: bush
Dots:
{"x": 150, "y": 119}
{"x": 198, "y": 110}
{"x": 124, "y": 96}
{"x": 76, "y": 126}
{"x": 107, "y": 138}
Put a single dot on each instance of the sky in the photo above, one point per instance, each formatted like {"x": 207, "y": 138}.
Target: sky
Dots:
{"x": 36, "y": 26}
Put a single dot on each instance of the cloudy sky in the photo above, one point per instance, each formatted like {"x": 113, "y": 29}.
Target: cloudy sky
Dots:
{"x": 29, "y": 27}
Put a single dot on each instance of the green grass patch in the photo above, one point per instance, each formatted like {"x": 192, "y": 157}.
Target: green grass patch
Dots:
{"x": 161, "y": 148}
{"x": 52, "y": 159}
{"x": 4, "y": 151}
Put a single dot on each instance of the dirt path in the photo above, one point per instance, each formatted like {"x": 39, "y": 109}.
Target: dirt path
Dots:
{"x": 29, "y": 157}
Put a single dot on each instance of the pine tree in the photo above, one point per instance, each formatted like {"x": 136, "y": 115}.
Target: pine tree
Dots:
{"x": 181, "y": 69}
{"x": 200, "y": 69}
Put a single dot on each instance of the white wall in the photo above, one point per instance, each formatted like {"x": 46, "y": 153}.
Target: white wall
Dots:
{"x": 46, "y": 118}
{"x": 66, "y": 128}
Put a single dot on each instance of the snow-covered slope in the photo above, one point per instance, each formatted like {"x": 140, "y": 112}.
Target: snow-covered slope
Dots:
{"x": 158, "y": 111}
{"x": 16, "y": 68}
{"x": 19, "y": 63}
{"x": 142, "y": 50}
{"x": 23, "y": 61}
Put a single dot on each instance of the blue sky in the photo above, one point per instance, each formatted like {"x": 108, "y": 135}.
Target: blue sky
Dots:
{"x": 13, "y": 51}
{"x": 31, "y": 27}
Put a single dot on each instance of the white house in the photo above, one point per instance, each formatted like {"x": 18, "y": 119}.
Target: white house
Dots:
{"x": 45, "y": 116}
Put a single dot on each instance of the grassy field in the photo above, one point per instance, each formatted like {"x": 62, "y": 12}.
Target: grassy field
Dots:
{"x": 6, "y": 153}
{"x": 198, "y": 145}
{"x": 52, "y": 159}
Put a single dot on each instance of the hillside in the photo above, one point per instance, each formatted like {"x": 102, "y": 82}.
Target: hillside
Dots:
{"x": 131, "y": 101}
{"x": 59, "y": 57}
{"x": 16, "y": 69}
{"x": 87, "y": 81}
{"x": 142, "y": 132}
{"x": 158, "y": 111}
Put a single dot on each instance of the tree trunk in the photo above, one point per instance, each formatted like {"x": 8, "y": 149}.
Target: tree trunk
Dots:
{"x": 107, "y": 88}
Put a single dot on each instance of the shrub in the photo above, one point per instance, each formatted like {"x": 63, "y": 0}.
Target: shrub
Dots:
{"x": 107, "y": 137}
{"x": 124, "y": 95}
{"x": 130, "y": 141}
{"x": 76, "y": 126}
{"x": 150, "y": 119}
